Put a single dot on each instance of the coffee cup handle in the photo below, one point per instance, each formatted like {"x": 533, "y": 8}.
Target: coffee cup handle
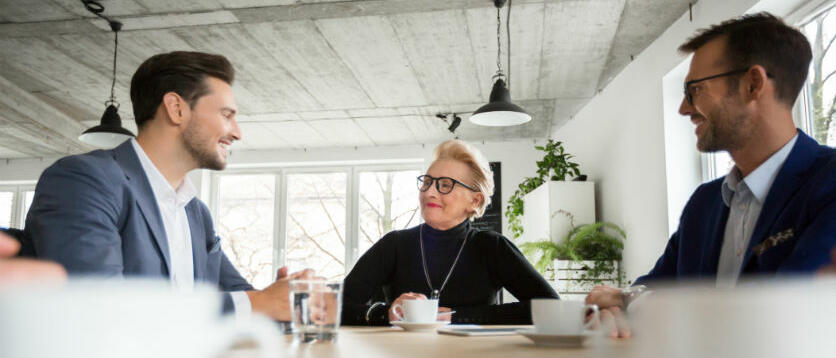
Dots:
{"x": 258, "y": 328}
{"x": 395, "y": 311}
{"x": 595, "y": 316}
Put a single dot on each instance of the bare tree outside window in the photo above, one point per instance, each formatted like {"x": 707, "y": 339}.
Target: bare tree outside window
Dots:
{"x": 316, "y": 223}
{"x": 245, "y": 224}
{"x": 388, "y": 201}
{"x": 821, "y": 32}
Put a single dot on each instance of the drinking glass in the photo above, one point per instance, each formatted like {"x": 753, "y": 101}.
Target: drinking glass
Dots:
{"x": 316, "y": 310}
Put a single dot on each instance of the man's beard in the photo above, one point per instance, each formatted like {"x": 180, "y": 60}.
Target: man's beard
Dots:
{"x": 726, "y": 129}
{"x": 194, "y": 143}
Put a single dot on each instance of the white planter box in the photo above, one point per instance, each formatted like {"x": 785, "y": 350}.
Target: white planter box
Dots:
{"x": 569, "y": 277}
{"x": 577, "y": 198}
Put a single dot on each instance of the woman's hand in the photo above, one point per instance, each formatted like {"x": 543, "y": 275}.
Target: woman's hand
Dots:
{"x": 446, "y": 316}
{"x": 393, "y": 316}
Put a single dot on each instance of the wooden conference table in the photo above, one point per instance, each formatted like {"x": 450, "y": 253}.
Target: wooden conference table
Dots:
{"x": 354, "y": 342}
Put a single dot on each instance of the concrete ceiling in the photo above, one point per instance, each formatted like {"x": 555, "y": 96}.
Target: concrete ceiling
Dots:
{"x": 320, "y": 73}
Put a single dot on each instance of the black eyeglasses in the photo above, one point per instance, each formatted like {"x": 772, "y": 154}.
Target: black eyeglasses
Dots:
{"x": 444, "y": 185}
{"x": 690, "y": 96}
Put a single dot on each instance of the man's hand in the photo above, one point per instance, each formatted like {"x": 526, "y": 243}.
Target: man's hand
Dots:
{"x": 830, "y": 269}
{"x": 611, "y": 305}
{"x": 16, "y": 270}
{"x": 446, "y": 316}
{"x": 605, "y": 297}
{"x": 274, "y": 300}
{"x": 394, "y": 316}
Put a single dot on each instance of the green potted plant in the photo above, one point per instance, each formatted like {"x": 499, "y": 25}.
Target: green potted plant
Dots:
{"x": 587, "y": 256}
{"x": 555, "y": 166}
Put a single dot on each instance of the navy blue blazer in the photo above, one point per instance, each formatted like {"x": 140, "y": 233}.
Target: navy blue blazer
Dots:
{"x": 96, "y": 214}
{"x": 794, "y": 234}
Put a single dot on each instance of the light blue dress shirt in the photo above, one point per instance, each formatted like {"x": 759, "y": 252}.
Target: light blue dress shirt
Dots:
{"x": 745, "y": 198}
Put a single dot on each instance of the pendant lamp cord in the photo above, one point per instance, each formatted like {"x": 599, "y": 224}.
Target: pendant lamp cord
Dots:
{"x": 113, "y": 83}
{"x": 508, "y": 31}
{"x": 97, "y": 8}
{"x": 499, "y": 72}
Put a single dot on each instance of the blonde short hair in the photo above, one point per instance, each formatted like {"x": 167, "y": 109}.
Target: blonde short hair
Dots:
{"x": 481, "y": 176}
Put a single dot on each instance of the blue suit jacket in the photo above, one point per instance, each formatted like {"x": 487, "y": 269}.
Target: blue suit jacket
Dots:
{"x": 793, "y": 235}
{"x": 95, "y": 214}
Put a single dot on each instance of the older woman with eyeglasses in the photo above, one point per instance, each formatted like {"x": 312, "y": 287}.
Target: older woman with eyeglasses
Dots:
{"x": 445, "y": 258}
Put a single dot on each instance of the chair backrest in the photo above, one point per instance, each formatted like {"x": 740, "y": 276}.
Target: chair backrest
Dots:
{"x": 27, "y": 248}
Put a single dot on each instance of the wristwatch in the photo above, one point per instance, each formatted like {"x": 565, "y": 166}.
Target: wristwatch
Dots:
{"x": 631, "y": 293}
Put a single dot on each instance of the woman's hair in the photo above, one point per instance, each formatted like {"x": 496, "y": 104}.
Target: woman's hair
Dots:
{"x": 481, "y": 177}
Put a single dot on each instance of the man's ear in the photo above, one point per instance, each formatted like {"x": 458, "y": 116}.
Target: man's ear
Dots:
{"x": 756, "y": 83}
{"x": 175, "y": 107}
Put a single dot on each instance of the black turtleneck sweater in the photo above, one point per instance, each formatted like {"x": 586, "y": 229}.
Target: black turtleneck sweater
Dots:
{"x": 488, "y": 263}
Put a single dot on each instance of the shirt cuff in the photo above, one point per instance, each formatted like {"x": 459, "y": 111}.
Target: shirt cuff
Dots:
{"x": 241, "y": 304}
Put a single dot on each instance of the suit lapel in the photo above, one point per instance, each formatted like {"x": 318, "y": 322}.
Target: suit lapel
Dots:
{"x": 199, "y": 248}
{"x": 716, "y": 232}
{"x": 127, "y": 158}
{"x": 787, "y": 182}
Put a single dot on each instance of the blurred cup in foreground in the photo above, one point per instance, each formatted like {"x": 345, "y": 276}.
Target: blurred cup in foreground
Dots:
{"x": 121, "y": 318}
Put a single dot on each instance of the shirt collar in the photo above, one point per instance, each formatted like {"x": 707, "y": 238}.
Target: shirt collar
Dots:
{"x": 759, "y": 180}
{"x": 159, "y": 185}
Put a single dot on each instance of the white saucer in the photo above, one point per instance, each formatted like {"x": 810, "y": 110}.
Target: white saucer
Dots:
{"x": 419, "y": 326}
{"x": 557, "y": 340}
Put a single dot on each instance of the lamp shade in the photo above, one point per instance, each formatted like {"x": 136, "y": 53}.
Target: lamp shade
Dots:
{"x": 500, "y": 111}
{"x": 109, "y": 133}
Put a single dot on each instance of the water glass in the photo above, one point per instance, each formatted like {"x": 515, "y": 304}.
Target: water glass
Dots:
{"x": 316, "y": 309}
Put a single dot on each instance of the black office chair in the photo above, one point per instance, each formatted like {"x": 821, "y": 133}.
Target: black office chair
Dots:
{"x": 27, "y": 248}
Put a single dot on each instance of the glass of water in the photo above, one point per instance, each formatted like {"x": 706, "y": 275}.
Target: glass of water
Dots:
{"x": 316, "y": 309}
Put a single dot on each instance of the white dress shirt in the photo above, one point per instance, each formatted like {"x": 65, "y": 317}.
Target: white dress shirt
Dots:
{"x": 172, "y": 206}
{"x": 745, "y": 198}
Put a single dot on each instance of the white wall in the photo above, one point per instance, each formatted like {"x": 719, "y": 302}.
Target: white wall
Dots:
{"x": 518, "y": 161}
{"x": 619, "y": 136}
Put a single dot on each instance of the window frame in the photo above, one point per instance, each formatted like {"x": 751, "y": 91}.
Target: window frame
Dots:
{"x": 352, "y": 215}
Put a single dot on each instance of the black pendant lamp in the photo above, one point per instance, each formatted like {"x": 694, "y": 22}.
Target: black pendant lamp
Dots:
{"x": 109, "y": 133}
{"x": 500, "y": 111}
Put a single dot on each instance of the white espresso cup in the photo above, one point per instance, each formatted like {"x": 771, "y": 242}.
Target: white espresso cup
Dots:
{"x": 553, "y": 316}
{"x": 122, "y": 318}
{"x": 417, "y": 311}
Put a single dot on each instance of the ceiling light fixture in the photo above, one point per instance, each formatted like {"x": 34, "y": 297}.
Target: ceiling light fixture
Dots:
{"x": 109, "y": 133}
{"x": 500, "y": 111}
{"x": 453, "y": 124}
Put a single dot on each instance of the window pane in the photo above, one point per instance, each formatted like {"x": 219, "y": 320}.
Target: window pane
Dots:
{"x": 27, "y": 202}
{"x": 245, "y": 224}
{"x": 6, "y": 200}
{"x": 388, "y": 201}
{"x": 316, "y": 223}
{"x": 820, "y": 81}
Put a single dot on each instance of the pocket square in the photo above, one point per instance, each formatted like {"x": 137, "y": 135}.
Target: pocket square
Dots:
{"x": 773, "y": 241}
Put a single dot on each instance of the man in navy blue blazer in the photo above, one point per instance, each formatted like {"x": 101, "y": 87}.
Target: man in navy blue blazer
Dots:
{"x": 774, "y": 214}
{"x": 131, "y": 211}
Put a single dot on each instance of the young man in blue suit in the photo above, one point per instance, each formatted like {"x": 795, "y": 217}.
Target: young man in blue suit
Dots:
{"x": 774, "y": 214}
{"x": 132, "y": 211}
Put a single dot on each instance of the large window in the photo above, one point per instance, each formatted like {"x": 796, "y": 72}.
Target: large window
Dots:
{"x": 320, "y": 218}
{"x": 14, "y": 204}
{"x": 820, "y": 93}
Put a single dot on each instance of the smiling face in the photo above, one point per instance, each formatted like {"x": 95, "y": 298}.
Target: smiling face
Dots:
{"x": 444, "y": 211}
{"x": 212, "y": 127}
{"x": 718, "y": 110}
